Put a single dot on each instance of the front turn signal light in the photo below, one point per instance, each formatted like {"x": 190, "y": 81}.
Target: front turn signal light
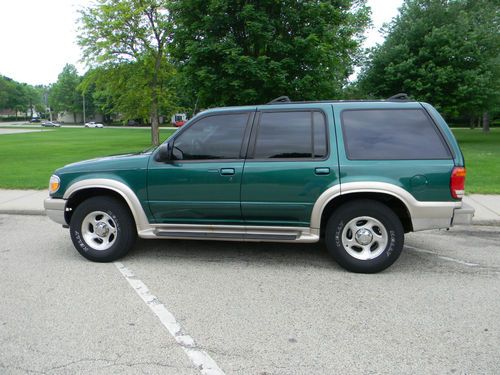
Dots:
{"x": 54, "y": 184}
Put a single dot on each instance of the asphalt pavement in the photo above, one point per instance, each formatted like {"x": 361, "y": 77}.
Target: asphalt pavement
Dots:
{"x": 188, "y": 307}
{"x": 15, "y": 131}
{"x": 19, "y": 126}
{"x": 254, "y": 308}
{"x": 191, "y": 307}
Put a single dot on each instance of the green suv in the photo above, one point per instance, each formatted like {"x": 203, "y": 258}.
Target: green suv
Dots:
{"x": 359, "y": 174}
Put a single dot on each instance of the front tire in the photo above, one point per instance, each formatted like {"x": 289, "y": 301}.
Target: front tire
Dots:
{"x": 364, "y": 236}
{"x": 102, "y": 229}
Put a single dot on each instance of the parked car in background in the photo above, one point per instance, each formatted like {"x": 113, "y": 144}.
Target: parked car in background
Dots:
{"x": 35, "y": 119}
{"x": 51, "y": 124}
{"x": 93, "y": 124}
{"x": 178, "y": 119}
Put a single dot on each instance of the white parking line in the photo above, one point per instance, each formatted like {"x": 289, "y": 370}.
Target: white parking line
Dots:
{"x": 443, "y": 257}
{"x": 199, "y": 357}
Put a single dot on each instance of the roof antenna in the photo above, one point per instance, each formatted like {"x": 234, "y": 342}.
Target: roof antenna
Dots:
{"x": 400, "y": 96}
{"x": 280, "y": 99}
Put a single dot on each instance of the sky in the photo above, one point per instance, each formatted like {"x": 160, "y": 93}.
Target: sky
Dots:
{"x": 38, "y": 37}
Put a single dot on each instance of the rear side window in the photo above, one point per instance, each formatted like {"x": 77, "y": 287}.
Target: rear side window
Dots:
{"x": 390, "y": 134}
{"x": 289, "y": 135}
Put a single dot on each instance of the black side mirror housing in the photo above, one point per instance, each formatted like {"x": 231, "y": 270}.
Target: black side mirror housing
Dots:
{"x": 164, "y": 153}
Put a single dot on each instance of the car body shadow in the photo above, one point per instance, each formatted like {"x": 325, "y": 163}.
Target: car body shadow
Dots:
{"x": 264, "y": 253}
{"x": 311, "y": 255}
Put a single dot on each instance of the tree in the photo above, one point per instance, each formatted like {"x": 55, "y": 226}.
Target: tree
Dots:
{"x": 120, "y": 90}
{"x": 12, "y": 95}
{"x": 130, "y": 33}
{"x": 32, "y": 96}
{"x": 442, "y": 51}
{"x": 20, "y": 97}
{"x": 64, "y": 94}
{"x": 40, "y": 98}
{"x": 246, "y": 52}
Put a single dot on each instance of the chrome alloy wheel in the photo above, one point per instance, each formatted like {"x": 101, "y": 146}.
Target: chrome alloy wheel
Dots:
{"x": 99, "y": 230}
{"x": 364, "y": 238}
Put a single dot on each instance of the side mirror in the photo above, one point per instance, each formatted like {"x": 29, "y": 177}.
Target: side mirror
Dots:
{"x": 164, "y": 153}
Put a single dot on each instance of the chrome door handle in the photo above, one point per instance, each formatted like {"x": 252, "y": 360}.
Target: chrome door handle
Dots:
{"x": 227, "y": 171}
{"x": 322, "y": 171}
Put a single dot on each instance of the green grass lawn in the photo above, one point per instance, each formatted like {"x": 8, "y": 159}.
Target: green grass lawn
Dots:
{"x": 28, "y": 159}
{"x": 482, "y": 159}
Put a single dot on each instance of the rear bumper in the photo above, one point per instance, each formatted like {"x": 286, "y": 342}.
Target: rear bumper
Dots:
{"x": 463, "y": 215}
{"x": 55, "y": 208}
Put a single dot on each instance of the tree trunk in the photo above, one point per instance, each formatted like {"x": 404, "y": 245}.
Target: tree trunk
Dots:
{"x": 472, "y": 123}
{"x": 155, "y": 131}
{"x": 74, "y": 117}
{"x": 486, "y": 122}
{"x": 155, "y": 136}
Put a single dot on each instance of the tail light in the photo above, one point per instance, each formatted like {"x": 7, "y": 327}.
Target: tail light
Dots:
{"x": 457, "y": 182}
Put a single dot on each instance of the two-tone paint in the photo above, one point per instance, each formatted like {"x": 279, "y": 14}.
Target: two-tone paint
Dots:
{"x": 265, "y": 200}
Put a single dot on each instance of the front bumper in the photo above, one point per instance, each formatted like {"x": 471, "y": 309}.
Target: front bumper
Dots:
{"x": 463, "y": 215}
{"x": 55, "y": 209}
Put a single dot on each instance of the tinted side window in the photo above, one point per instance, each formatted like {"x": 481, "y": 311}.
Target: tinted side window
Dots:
{"x": 391, "y": 134}
{"x": 290, "y": 135}
{"x": 319, "y": 134}
{"x": 213, "y": 137}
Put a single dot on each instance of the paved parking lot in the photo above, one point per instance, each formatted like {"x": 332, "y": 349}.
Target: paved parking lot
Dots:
{"x": 250, "y": 308}
{"x": 15, "y": 131}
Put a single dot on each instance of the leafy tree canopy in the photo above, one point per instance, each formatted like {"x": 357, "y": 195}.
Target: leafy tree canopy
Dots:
{"x": 446, "y": 52}
{"x": 122, "y": 90}
{"x": 19, "y": 96}
{"x": 241, "y": 52}
{"x": 63, "y": 95}
{"x": 129, "y": 36}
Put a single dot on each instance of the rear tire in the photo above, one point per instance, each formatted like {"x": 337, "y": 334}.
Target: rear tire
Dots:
{"x": 102, "y": 229}
{"x": 364, "y": 236}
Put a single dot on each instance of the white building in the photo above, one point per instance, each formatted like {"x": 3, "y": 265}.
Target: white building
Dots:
{"x": 68, "y": 117}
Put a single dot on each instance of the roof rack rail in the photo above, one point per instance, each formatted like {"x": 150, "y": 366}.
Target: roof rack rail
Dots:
{"x": 400, "y": 96}
{"x": 280, "y": 99}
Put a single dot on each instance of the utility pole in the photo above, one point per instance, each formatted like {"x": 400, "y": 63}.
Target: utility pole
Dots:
{"x": 46, "y": 101}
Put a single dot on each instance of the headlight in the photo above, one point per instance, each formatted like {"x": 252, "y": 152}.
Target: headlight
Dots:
{"x": 54, "y": 184}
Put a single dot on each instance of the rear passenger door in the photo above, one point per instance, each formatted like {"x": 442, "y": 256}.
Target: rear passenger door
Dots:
{"x": 291, "y": 160}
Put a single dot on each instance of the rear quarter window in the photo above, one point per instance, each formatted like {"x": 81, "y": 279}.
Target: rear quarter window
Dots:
{"x": 392, "y": 134}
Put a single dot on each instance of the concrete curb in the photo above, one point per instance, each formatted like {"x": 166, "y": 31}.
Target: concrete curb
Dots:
{"x": 488, "y": 223}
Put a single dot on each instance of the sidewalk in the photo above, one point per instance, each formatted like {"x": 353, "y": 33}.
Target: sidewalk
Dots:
{"x": 30, "y": 202}
{"x": 487, "y": 208}
{"x": 22, "y": 202}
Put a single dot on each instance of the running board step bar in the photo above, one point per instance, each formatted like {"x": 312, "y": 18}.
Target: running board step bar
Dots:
{"x": 231, "y": 233}
{"x": 229, "y": 236}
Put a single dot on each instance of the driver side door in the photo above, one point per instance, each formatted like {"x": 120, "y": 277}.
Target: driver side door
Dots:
{"x": 202, "y": 182}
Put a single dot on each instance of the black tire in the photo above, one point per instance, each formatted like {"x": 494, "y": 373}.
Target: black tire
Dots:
{"x": 116, "y": 225}
{"x": 374, "y": 218}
